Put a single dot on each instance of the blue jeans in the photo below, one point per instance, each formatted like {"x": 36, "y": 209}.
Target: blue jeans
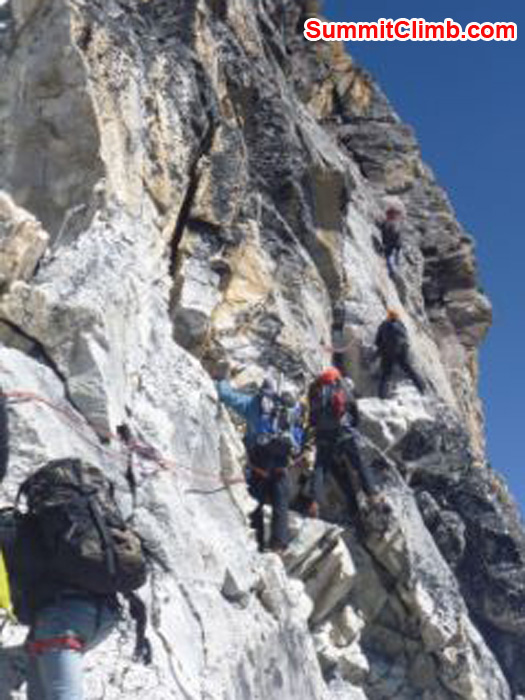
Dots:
{"x": 56, "y": 674}
{"x": 392, "y": 260}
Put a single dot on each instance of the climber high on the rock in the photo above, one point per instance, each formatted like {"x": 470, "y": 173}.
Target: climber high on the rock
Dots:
{"x": 391, "y": 237}
{"x": 338, "y": 336}
{"x": 333, "y": 420}
{"x": 393, "y": 348}
{"x": 274, "y": 435}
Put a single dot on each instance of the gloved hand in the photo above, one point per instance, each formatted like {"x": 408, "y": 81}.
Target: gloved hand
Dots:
{"x": 220, "y": 371}
{"x": 305, "y": 461}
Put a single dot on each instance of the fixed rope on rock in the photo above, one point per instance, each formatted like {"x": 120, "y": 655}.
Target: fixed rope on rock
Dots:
{"x": 131, "y": 446}
{"x": 332, "y": 349}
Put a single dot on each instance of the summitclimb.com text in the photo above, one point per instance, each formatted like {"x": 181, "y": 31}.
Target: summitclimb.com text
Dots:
{"x": 409, "y": 30}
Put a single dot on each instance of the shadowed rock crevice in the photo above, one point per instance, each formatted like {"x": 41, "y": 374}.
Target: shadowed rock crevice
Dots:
{"x": 185, "y": 209}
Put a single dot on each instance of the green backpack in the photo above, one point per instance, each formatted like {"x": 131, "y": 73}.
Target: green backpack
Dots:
{"x": 85, "y": 539}
{"x": 74, "y": 535}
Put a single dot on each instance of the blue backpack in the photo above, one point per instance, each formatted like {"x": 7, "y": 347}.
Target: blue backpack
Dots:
{"x": 279, "y": 430}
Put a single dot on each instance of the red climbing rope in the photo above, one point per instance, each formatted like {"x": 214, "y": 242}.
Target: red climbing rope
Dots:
{"x": 330, "y": 348}
{"x": 142, "y": 450}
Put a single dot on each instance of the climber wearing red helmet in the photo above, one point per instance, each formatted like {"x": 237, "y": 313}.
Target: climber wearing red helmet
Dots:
{"x": 330, "y": 375}
{"x": 334, "y": 417}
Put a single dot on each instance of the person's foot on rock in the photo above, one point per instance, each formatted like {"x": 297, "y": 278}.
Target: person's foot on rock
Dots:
{"x": 277, "y": 547}
{"x": 313, "y": 510}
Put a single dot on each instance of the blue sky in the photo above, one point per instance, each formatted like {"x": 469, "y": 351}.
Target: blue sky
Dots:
{"x": 466, "y": 101}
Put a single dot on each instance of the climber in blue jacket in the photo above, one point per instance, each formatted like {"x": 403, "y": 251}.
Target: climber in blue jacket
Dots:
{"x": 247, "y": 406}
{"x": 273, "y": 437}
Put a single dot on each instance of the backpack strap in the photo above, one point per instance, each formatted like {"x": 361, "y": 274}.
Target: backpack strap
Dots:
{"x": 131, "y": 479}
{"x": 143, "y": 650}
{"x": 352, "y": 409}
{"x": 100, "y": 524}
{"x": 21, "y": 493}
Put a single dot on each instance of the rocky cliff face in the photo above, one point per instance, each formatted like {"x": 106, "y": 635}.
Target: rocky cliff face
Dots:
{"x": 188, "y": 181}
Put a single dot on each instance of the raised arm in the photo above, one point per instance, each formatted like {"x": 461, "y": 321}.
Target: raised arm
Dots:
{"x": 238, "y": 401}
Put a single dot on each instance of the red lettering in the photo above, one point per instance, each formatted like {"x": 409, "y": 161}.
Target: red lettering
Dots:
{"x": 329, "y": 31}
{"x": 312, "y": 29}
{"x": 434, "y": 31}
{"x": 453, "y": 29}
{"x": 368, "y": 32}
{"x": 345, "y": 32}
{"x": 507, "y": 32}
{"x": 473, "y": 31}
{"x": 402, "y": 29}
{"x": 487, "y": 32}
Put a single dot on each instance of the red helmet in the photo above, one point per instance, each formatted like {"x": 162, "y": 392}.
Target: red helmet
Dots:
{"x": 330, "y": 375}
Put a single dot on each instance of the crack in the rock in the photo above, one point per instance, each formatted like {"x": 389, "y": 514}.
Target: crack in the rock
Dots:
{"x": 203, "y": 150}
{"x": 156, "y": 626}
{"x": 38, "y": 352}
{"x": 198, "y": 618}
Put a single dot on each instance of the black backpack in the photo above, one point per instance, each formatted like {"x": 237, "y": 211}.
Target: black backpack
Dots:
{"x": 329, "y": 405}
{"x": 85, "y": 539}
